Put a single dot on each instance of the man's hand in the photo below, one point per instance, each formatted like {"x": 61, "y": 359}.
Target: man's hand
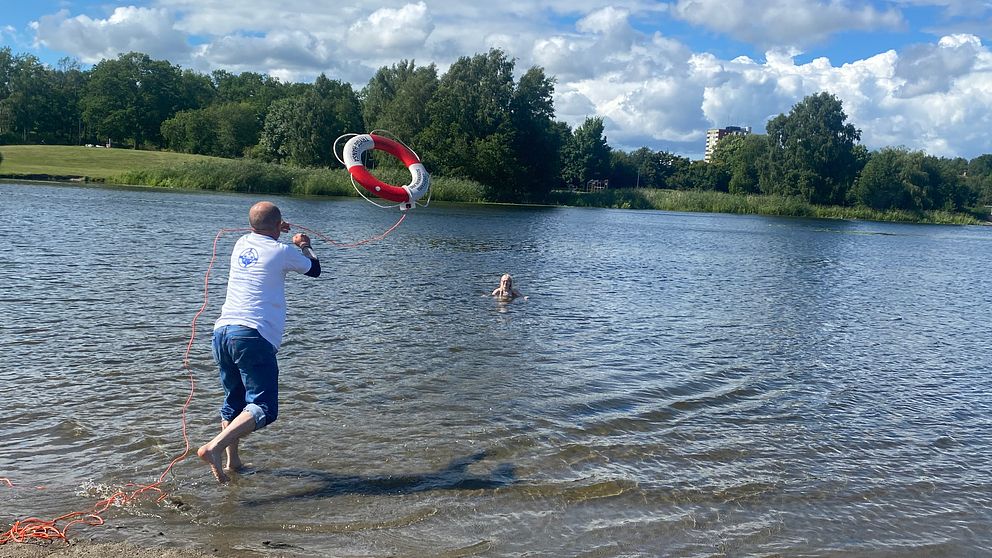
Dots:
{"x": 301, "y": 240}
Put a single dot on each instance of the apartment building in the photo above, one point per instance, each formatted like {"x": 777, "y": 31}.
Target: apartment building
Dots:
{"x": 713, "y": 135}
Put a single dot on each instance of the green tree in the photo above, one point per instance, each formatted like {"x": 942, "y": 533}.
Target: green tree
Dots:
{"x": 259, "y": 90}
{"x": 895, "y": 178}
{"x": 586, "y": 156}
{"x": 66, "y": 118}
{"x": 196, "y": 90}
{"x": 623, "y": 170}
{"x": 887, "y": 182}
{"x": 301, "y": 130}
{"x": 980, "y": 166}
{"x": 811, "y": 151}
{"x": 646, "y": 168}
{"x": 191, "y": 131}
{"x": 470, "y": 131}
{"x": 979, "y": 178}
{"x": 742, "y": 158}
{"x": 30, "y": 104}
{"x": 536, "y": 141}
{"x": 949, "y": 188}
{"x": 6, "y": 116}
{"x": 129, "y": 97}
{"x": 685, "y": 174}
{"x": 238, "y": 128}
{"x": 673, "y": 171}
{"x": 395, "y": 99}
{"x": 224, "y": 130}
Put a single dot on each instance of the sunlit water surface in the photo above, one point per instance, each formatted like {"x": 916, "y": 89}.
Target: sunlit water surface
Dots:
{"x": 675, "y": 384}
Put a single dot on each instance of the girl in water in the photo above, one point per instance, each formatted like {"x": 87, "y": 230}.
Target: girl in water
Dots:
{"x": 505, "y": 290}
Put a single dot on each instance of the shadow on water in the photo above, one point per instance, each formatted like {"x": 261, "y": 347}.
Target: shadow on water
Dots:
{"x": 454, "y": 476}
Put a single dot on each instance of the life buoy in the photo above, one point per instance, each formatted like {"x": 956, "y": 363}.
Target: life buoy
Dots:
{"x": 408, "y": 194}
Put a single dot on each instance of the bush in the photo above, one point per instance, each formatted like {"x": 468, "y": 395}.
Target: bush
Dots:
{"x": 253, "y": 176}
{"x": 242, "y": 175}
{"x": 720, "y": 202}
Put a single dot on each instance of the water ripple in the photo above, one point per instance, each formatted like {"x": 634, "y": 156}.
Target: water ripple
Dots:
{"x": 674, "y": 384}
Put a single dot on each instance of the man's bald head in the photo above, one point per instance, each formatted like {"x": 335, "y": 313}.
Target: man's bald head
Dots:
{"x": 264, "y": 217}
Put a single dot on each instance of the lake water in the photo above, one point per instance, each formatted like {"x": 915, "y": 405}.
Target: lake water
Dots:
{"x": 675, "y": 384}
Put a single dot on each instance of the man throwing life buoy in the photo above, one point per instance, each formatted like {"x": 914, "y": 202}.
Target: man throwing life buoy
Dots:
{"x": 248, "y": 333}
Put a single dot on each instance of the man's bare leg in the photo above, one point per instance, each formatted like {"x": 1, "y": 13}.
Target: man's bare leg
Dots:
{"x": 233, "y": 459}
{"x": 212, "y": 451}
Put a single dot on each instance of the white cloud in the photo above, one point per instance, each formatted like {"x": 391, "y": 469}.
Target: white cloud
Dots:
{"x": 147, "y": 30}
{"x": 651, "y": 89}
{"x": 740, "y": 92}
{"x": 606, "y": 45}
{"x": 226, "y": 17}
{"x": 952, "y": 119}
{"x": 392, "y": 30}
{"x": 954, "y": 8}
{"x": 934, "y": 68}
{"x": 934, "y": 97}
{"x": 295, "y": 49}
{"x": 784, "y": 22}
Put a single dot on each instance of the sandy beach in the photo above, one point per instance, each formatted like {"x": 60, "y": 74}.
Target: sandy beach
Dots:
{"x": 92, "y": 550}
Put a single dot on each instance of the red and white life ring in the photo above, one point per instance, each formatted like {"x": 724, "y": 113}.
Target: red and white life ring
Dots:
{"x": 408, "y": 194}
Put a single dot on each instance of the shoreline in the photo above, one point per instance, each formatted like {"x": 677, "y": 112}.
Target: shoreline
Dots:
{"x": 85, "y": 549}
{"x": 833, "y": 212}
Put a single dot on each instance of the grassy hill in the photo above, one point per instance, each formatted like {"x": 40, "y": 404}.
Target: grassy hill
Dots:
{"x": 93, "y": 163}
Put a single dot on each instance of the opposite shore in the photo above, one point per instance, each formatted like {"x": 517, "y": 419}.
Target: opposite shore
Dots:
{"x": 193, "y": 172}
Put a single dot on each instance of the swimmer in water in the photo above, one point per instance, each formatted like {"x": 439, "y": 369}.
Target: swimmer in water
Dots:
{"x": 505, "y": 290}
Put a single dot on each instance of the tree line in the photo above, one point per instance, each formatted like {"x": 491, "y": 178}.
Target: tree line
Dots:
{"x": 475, "y": 121}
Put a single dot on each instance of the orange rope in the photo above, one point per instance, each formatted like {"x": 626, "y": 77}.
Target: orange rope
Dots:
{"x": 333, "y": 242}
{"x": 34, "y": 529}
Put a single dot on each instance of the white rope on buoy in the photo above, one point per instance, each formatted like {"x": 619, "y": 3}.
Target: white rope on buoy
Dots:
{"x": 389, "y": 135}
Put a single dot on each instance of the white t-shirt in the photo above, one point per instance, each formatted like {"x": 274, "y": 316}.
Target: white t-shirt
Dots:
{"x": 256, "y": 293}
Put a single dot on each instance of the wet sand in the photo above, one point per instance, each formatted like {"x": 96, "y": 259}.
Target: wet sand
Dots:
{"x": 93, "y": 550}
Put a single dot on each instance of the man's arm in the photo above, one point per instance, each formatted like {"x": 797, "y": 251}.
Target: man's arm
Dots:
{"x": 303, "y": 241}
{"x": 314, "y": 262}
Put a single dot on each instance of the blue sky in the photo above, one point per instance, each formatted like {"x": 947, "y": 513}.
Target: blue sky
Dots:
{"x": 913, "y": 73}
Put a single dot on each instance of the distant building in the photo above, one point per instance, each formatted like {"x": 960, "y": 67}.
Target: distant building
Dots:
{"x": 713, "y": 135}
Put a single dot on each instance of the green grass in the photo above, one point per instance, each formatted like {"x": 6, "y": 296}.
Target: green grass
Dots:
{"x": 198, "y": 172}
{"x": 177, "y": 170}
{"x": 245, "y": 175}
{"x": 721, "y": 202}
{"x": 93, "y": 163}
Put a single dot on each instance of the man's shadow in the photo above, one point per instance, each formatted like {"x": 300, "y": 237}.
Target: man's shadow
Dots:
{"x": 454, "y": 476}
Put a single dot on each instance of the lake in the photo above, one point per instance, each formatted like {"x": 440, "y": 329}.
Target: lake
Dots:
{"x": 675, "y": 384}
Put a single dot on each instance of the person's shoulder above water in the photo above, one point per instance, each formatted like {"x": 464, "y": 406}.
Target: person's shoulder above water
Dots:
{"x": 505, "y": 290}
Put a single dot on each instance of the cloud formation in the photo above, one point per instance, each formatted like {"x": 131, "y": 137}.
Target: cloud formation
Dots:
{"x": 784, "y": 22}
{"x": 389, "y": 30}
{"x": 126, "y": 29}
{"x": 628, "y": 62}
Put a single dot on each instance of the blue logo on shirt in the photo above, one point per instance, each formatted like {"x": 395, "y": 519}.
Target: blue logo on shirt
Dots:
{"x": 248, "y": 257}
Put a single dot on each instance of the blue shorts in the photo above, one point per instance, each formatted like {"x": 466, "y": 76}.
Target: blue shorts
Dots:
{"x": 248, "y": 372}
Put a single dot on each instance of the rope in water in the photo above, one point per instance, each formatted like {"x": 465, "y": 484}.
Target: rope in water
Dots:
{"x": 35, "y": 529}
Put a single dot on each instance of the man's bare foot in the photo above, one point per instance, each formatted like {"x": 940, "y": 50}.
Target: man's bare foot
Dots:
{"x": 234, "y": 465}
{"x": 212, "y": 458}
